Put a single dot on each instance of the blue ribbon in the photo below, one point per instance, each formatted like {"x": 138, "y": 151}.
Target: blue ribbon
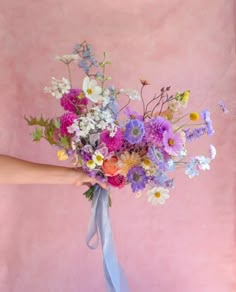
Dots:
{"x": 99, "y": 220}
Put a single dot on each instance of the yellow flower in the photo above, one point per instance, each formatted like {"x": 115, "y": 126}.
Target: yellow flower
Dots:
{"x": 127, "y": 161}
{"x": 61, "y": 155}
{"x": 90, "y": 164}
{"x": 185, "y": 97}
{"x": 194, "y": 116}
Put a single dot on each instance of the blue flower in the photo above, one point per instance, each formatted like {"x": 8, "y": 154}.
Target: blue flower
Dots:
{"x": 137, "y": 178}
{"x": 163, "y": 180}
{"x": 191, "y": 168}
{"x": 134, "y": 131}
{"x": 83, "y": 64}
{"x": 207, "y": 119}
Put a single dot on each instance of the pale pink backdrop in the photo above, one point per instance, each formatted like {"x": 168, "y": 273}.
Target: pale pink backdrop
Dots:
{"x": 186, "y": 245}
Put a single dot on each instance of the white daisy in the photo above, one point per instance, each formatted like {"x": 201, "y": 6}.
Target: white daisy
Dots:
{"x": 98, "y": 158}
{"x": 158, "y": 195}
{"x": 92, "y": 90}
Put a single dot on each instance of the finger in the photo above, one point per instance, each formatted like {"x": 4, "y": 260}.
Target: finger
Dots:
{"x": 88, "y": 184}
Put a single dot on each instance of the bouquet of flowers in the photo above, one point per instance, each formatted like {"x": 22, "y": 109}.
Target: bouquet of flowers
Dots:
{"x": 138, "y": 149}
{"x": 119, "y": 146}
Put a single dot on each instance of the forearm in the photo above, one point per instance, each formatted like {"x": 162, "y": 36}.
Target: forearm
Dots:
{"x": 17, "y": 171}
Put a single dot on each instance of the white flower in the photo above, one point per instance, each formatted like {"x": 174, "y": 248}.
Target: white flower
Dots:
{"x": 98, "y": 158}
{"x": 90, "y": 164}
{"x": 74, "y": 127}
{"x": 158, "y": 195}
{"x": 86, "y": 125}
{"x": 212, "y": 151}
{"x": 92, "y": 90}
{"x": 131, "y": 93}
{"x": 58, "y": 88}
{"x": 203, "y": 162}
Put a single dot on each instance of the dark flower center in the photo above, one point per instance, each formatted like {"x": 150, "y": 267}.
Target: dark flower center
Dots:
{"x": 135, "y": 131}
{"x": 136, "y": 177}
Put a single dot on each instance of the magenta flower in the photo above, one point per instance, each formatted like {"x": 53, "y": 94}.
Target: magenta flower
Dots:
{"x": 113, "y": 143}
{"x": 66, "y": 120}
{"x": 173, "y": 142}
{"x": 154, "y": 130}
{"x": 74, "y": 101}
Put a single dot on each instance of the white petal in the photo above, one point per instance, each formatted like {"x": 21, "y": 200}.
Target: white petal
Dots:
{"x": 97, "y": 90}
{"x": 92, "y": 83}
{"x": 85, "y": 83}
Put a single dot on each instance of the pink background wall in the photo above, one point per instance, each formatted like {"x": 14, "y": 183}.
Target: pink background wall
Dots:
{"x": 187, "y": 245}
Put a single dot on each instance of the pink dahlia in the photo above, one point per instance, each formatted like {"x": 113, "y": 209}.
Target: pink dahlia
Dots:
{"x": 66, "y": 120}
{"x": 154, "y": 130}
{"x": 113, "y": 143}
{"x": 74, "y": 101}
{"x": 117, "y": 181}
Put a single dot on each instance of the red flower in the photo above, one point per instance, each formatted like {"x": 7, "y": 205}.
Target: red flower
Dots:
{"x": 117, "y": 181}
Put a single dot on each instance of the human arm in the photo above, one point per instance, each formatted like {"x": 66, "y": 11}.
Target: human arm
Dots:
{"x": 18, "y": 171}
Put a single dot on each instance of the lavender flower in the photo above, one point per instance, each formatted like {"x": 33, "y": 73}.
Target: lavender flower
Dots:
{"x": 223, "y": 107}
{"x": 207, "y": 119}
{"x": 137, "y": 178}
{"x": 134, "y": 131}
{"x": 163, "y": 180}
{"x": 195, "y": 133}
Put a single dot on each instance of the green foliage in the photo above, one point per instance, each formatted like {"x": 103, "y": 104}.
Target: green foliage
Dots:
{"x": 45, "y": 128}
{"x": 65, "y": 142}
{"x": 37, "y": 134}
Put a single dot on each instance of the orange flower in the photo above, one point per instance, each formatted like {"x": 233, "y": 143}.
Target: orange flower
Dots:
{"x": 110, "y": 166}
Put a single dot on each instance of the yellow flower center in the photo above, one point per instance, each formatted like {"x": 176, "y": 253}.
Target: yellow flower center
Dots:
{"x": 89, "y": 91}
{"x": 171, "y": 142}
{"x": 90, "y": 163}
{"x": 99, "y": 158}
{"x": 147, "y": 162}
{"x": 157, "y": 194}
{"x": 194, "y": 116}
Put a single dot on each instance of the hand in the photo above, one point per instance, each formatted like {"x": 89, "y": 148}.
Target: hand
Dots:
{"x": 84, "y": 179}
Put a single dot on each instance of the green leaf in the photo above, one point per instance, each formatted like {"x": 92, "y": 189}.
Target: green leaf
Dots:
{"x": 32, "y": 121}
{"x": 65, "y": 142}
{"x": 57, "y": 123}
{"x": 37, "y": 134}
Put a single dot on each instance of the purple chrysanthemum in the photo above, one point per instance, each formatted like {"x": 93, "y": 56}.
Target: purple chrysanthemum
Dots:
{"x": 66, "y": 120}
{"x": 113, "y": 143}
{"x": 137, "y": 178}
{"x": 173, "y": 142}
{"x": 134, "y": 131}
{"x": 155, "y": 129}
{"x": 74, "y": 101}
{"x": 207, "y": 119}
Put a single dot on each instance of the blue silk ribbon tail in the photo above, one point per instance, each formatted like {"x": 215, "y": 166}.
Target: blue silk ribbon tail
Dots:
{"x": 99, "y": 221}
